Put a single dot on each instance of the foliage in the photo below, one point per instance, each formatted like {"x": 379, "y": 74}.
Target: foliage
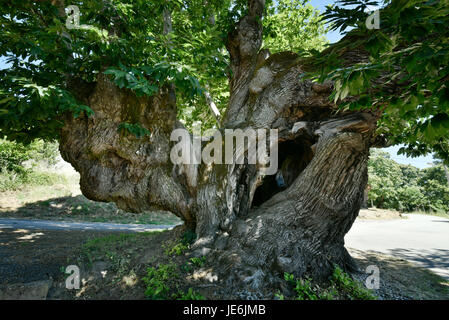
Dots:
{"x": 404, "y": 187}
{"x": 179, "y": 247}
{"x": 14, "y": 154}
{"x": 14, "y": 175}
{"x": 349, "y": 287}
{"x": 294, "y": 25}
{"x": 198, "y": 261}
{"x": 161, "y": 280}
{"x": 146, "y": 80}
{"x": 303, "y": 287}
{"x": 405, "y": 77}
{"x": 10, "y": 180}
{"x": 190, "y": 295}
{"x": 176, "y": 248}
{"x": 160, "y": 284}
{"x": 340, "y": 286}
{"x": 133, "y": 129}
{"x": 132, "y": 48}
{"x": 157, "y": 281}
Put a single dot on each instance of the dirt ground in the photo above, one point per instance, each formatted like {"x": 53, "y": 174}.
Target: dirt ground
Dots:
{"x": 379, "y": 214}
{"x": 34, "y": 255}
{"x": 112, "y": 265}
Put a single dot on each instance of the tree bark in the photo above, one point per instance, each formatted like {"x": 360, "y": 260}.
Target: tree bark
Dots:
{"x": 253, "y": 229}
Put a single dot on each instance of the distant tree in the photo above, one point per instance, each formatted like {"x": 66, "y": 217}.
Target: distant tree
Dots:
{"x": 404, "y": 187}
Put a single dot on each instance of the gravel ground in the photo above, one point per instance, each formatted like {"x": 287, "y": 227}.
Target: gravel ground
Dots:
{"x": 34, "y": 255}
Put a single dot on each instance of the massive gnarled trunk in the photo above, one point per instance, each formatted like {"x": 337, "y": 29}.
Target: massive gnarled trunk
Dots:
{"x": 254, "y": 229}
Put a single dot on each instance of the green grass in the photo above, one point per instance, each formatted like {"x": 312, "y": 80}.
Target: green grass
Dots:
{"x": 57, "y": 197}
{"x": 340, "y": 286}
{"x": 160, "y": 284}
{"x": 12, "y": 181}
{"x": 164, "y": 280}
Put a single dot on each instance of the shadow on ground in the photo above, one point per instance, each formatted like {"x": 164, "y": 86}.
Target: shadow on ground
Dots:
{"x": 435, "y": 259}
{"x": 400, "y": 279}
{"x": 33, "y": 255}
{"x": 79, "y": 208}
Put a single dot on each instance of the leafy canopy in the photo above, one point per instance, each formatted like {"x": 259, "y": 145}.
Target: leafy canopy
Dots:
{"x": 406, "y": 76}
{"x": 125, "y": 39}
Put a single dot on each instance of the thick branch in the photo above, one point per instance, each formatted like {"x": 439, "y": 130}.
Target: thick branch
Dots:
{"x": 136, "y": 174}
{"x": 243, "y": 45}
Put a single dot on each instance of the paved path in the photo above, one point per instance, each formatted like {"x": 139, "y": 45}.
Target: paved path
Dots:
{"x": 80, "y": 226}
{"x": 422, "y": 239}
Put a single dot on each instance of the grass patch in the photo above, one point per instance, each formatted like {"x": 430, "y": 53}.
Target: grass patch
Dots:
{"x": 165, "y": 280}
{"x": 57, "y": 197}
{"x": 12, "y": 181}
{"x": 341, "y": 286}
{"x": 161, "y": 285}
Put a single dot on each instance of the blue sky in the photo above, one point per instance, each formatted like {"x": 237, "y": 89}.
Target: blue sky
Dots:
{"x": 334, "y": 36}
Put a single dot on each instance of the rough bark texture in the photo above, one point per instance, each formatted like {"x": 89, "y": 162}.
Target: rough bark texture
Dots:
{"x": 253, "y": 229}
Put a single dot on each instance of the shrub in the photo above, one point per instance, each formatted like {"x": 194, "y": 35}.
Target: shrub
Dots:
{"x": 348, "y": 287}
{"x": 157, "y": 281}
{"x": 13, "y": 175}
{"x": 340, "y": 286}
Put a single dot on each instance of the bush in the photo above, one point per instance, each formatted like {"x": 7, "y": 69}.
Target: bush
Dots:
{"x": 404, "y": 187}
{"x": 10, "y": 180}
{"x": 13, "y": 174}
{"x": 14, "y": 154}
{"x": 340, "y": 286}
{"x": 348, "y": 287}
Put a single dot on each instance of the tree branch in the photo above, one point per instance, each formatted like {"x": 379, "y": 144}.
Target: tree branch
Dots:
{"x": 243, "y": 45}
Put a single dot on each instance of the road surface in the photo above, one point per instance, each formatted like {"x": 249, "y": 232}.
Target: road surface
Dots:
{"x": 78, "y": 226}
{"x": 421, "y": 239}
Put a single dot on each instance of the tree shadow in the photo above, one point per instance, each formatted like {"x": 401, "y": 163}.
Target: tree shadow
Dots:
{"x": 400, "y": 278}
{"x": 34, "y": 255}
{"x": 435, "y": 259}
{"x": 79, "y": 208}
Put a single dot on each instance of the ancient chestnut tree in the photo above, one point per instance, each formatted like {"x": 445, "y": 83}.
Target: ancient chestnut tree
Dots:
{"x": 111, "y": 91}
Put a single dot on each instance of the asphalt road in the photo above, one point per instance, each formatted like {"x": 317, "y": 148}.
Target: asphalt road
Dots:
{"x": 421, "y": 239}
{"x": 78, "y": 226}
